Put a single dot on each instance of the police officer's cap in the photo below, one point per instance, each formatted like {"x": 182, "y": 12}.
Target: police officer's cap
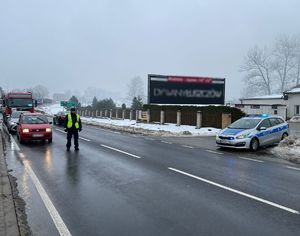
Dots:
{"x": 73, "y": 109}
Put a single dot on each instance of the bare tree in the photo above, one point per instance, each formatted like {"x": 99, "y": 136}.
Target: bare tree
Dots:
{"x": 135, "y": 89}
{"x": 257, "y": 69}
{"x": 297, "y": 62}
{"x": 283, "y": 61}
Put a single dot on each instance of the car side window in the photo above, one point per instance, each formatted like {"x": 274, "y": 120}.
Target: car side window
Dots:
{"x": 274, "y": 122}
{"x": 280, "y": 121}
{"x": 265, "y": 123}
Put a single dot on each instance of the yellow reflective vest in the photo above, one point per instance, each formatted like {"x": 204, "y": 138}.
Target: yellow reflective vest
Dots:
{"x": 70, "y": 121}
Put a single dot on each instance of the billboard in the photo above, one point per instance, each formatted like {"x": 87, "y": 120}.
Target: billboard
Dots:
{"x": 169, "y": 89}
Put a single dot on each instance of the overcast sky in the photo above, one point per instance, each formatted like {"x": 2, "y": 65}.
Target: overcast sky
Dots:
{"x": 74, "y": 44}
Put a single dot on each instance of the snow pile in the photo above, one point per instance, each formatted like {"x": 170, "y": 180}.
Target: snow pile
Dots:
{"x": 154, "y": 129}
{"x": 288, "y": 149}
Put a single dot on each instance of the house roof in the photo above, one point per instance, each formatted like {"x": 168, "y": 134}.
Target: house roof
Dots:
{"x": 293, "y": 90}
{"x": 266, "y": 97}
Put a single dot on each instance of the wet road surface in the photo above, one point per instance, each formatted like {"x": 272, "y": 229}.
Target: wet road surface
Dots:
{"x": 122, "y": 184}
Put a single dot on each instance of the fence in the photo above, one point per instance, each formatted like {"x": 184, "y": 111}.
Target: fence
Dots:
{"x": 206, "y": 118}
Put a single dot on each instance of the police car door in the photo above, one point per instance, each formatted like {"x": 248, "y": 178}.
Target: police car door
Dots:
{"x": 264, "y": 136}
{"x": 276, "y": 133}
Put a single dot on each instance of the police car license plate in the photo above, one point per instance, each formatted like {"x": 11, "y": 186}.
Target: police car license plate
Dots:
{"x": 225, "y": 141}
{"x": 37, "y": 135}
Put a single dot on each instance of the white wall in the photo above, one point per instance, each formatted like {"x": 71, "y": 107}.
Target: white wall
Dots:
{"x": 264, "y": 101}
{"x": 294, "y": 99}
{"x": 281, "y": 110}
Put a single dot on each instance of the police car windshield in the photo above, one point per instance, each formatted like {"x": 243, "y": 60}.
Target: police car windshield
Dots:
{"x": 244, "y": 124}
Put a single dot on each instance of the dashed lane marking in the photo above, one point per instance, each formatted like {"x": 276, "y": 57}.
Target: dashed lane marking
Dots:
{"x": 235, "y": 191}
{"x": 85, "y": 139}
{"x": 118, "y": 150}
{"x": 293, "y": 168}
{"x": 61, "y": 131}
{"x": 219, "y": 153}
{"x": 250, "y": 159}
{"x": 187, "y": 146}
{"x": 166, "y": 142}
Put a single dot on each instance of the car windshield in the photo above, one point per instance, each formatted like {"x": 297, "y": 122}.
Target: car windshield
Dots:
{"x": 244, "y": 124}
{"x": 16, "y": 114}
{"x": 35, "y": 120}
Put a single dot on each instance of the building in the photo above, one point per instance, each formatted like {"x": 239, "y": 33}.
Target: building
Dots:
{"x": 292, "y": 97}
{"x": 286, "y": 105}
{"x": 270, "y": 104}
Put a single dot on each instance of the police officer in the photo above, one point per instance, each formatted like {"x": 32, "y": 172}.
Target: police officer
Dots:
{"x": 72, "y": 126}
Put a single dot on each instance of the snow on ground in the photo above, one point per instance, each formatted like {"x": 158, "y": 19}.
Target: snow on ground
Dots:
{"x": 155, "y": 129}
{"x": 288, "y": 149}
{"x": 137, "y": 127}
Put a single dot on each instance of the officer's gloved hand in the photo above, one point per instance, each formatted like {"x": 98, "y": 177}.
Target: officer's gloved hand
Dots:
{"x": 65, "y": 129}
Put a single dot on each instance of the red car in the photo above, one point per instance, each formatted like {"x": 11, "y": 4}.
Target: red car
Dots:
{"x": 34, "y": 126}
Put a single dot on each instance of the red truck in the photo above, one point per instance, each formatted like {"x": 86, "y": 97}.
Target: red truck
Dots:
{"x": 19, "y": 101}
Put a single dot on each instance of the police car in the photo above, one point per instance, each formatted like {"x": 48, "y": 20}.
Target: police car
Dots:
{"x": 253, "y": 131}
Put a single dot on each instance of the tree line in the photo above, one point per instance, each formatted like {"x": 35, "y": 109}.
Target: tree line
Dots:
{"x": 274, "y": 68}
{"x": 108, "y": 103}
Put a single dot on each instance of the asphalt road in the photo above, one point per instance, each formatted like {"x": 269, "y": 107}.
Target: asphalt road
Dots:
{"x": 122, "y": 184}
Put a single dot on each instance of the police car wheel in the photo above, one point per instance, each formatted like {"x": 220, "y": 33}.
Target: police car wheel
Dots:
{"x": 254, "y": 144}
{"x": 284, "y": 136}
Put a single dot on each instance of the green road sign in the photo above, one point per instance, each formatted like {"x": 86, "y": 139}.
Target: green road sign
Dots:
{"x": 68, "y": 104}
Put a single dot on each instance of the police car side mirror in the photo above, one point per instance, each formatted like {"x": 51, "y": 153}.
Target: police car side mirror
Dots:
{"x": 262, "y": 128}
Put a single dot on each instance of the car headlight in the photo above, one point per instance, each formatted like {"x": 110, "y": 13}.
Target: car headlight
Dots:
{"x": 48, "y": 130}
{"x": 25, "y": 130}
{"x": 242, "y": 136}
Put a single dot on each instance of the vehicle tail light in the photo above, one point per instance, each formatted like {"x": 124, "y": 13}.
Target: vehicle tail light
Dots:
{"x": 25, "y": 130}
{"x": 48, "y": 130}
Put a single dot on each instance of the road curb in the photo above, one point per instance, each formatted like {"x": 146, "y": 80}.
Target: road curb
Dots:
{"x": 8, "y": 217}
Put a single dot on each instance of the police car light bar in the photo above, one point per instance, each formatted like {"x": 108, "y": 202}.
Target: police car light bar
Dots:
{"x": 258, "y": 115}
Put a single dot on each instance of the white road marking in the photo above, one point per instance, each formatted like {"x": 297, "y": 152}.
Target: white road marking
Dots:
{"x": 85, "y": 139}
{"x": 151, "y": 139}
{"x": 236, "y": 191}
{"x": 118, "y": 150}
{"x": 58, "y": 221}
{"x": 219, "y": 153}
{"x": 166, "y": 142}
{"x": 62, "y": 131}
{"x": 250, "y": 159}
{"x": 293, "y": 168}
{"x": 14, "y": 145}
{"x": 187, "y": 146}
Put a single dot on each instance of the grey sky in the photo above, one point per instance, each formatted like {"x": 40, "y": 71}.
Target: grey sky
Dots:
{"x": 72, "y": 44}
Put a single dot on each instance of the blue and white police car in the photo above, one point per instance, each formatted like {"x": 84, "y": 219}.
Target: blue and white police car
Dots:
{"x": 253, "y": 131}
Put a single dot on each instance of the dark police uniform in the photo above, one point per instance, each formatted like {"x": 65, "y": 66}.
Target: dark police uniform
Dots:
{"x": 72, "y": 126}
